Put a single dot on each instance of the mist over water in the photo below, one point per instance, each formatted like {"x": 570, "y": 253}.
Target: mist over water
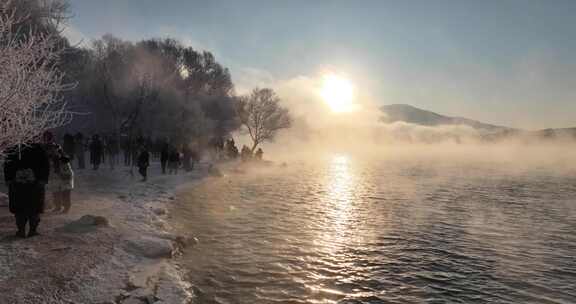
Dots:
{"x": 412, "y": 224}
{"x": 364, "y": 211}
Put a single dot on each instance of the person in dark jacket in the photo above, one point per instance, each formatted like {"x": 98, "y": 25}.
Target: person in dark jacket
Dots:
{"x": 112, "y": 149}
{"x": 79, "y": 148}
{"x": 143, "y": 163}
{"x": 96, "y": 150}
{"x": 164, "y": 155}
{"x": 231, "y": 150}
{"x": 26, "y": 172}
{"x": 69, "y": 146}
{"x": 187, "y": 159}
{"x": 259, "y": 154}
{"x": 195, "y": 157}
{"x": 246, "y": 154}
{"x": 173, "y": 161}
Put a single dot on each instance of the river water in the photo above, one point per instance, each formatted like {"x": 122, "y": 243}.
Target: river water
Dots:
{"x": 345, "y": 230}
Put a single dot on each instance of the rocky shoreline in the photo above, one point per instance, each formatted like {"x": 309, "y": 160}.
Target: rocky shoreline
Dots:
{"x": 115, "y": 246}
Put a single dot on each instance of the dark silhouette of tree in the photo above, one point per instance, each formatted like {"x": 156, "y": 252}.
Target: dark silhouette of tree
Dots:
{"x": 156, "y": 87}
{"x": 260, "y": 112}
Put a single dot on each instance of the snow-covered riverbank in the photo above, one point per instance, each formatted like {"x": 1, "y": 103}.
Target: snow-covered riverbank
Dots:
{"x": 115, "y": 245}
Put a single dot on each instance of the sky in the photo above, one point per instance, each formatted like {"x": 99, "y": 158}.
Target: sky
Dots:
{"x": 507, "y": 62}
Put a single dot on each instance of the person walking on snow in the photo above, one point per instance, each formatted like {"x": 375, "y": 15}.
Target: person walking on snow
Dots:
{"x": 26, "y": 172}
{"x": 259, "y": 154}
{"x": 96, "y": 150}
{"x": 164, "y": 156}
{"x": 112, "y": 149}
{"x": 246, "y": 154}
{"x": 62, "y": 182}
{"x": 173, "y": 161}
{"x": 69, "y": 145}
{"x": 79, "y": 147}
{"x": 143, "y": 163}
{"x": 187, "y": 159}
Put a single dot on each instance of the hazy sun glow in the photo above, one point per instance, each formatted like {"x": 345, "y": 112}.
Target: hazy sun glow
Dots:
{"x": 338, "y": 93}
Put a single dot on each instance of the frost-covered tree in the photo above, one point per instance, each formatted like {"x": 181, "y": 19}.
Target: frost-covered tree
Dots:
{"x": 260, "y": 112}
{"x": 41, "y": 17}
{"x": 30, "y": 84}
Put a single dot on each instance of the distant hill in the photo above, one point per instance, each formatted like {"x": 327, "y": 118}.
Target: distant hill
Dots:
{"x": 410, "y": 114}
{"x": 563, "y": 133}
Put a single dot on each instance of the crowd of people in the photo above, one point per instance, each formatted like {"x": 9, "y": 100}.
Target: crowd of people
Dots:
{"x": 171, "y": 159}
{"x": 32, "y": 170}
{"x": 229, "y": 151}
{"x": 103, "y": 150}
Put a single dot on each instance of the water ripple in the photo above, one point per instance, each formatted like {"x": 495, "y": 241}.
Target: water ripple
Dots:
{"x": 387, "y": 232}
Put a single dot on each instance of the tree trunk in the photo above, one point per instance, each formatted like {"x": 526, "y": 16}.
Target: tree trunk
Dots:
{"x": 254, "y": 147}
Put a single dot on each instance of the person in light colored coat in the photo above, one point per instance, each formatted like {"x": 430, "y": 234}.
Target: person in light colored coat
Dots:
{"x": 62, "y": 182}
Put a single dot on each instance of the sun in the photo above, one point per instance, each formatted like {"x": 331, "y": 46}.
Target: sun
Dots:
{"x": 338, "y": 93}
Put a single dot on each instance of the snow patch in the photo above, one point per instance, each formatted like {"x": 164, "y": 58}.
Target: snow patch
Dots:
{"x": 87, "y": 223}
{"x": 150, "y": 247}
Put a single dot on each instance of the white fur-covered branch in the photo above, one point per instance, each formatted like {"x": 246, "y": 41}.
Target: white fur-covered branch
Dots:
{"x": 30, "y": 84}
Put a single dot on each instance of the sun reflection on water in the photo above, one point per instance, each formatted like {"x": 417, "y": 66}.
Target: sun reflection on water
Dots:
{"x": 340, "y": 180}
{"x": 340, "y": 184}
